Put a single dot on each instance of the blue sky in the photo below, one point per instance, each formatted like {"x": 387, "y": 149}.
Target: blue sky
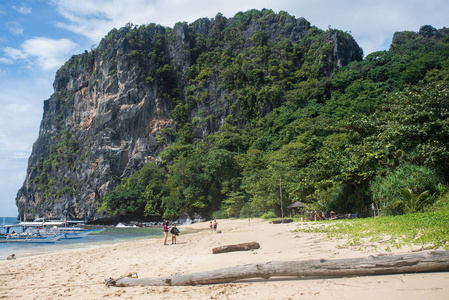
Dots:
{"x": 38, "y": 36}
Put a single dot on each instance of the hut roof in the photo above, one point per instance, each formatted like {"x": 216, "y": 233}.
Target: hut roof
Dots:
{"x": 296, "y": 204}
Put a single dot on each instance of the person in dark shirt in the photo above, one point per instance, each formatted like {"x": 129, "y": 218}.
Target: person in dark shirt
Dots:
{"x": 174, "y": 233}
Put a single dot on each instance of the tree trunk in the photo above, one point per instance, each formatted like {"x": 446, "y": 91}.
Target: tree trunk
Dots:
{"x": 434, "y": 261}
{"x": 237, "y": 247}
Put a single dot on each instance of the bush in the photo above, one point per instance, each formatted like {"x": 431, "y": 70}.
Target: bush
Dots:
{"x": 247, "y": 211}
{"x": 268, "y": 215}
{"x": 386, "y": 189}
{"x": 218, "y": 214}
{"x": 442, "y": 201}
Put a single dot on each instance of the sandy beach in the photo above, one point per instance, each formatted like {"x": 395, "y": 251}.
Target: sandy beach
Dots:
{"x": 81, "y": 273}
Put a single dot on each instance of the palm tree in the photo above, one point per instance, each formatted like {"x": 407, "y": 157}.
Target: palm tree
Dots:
{"x": 412, "y": 202}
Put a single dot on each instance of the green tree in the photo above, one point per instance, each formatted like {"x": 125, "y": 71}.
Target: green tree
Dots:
{"x": 138, "y": 196}
{"x": 199, "y": 183}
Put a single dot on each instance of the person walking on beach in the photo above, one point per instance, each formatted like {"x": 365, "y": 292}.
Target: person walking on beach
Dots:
{"x": 165, "y": 233}
{"x": 211, "y": 226}
{"x": 215, "y": 225}
{"x": 174, "y": 232}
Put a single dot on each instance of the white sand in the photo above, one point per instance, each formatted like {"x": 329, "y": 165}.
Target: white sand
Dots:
{"x": 80, "y": 274}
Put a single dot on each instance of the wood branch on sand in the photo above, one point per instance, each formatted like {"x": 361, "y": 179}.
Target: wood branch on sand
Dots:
{"x": 236, "y": 247}
{"x": 434, "y": 261}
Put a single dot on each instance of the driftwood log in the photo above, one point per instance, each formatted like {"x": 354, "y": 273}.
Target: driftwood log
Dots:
{"x": 236, "y": 247}
{"x": 434, "y": 261}
{"x": 281, "y": 221}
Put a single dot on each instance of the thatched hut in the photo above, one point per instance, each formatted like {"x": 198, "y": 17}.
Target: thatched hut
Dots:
{"x": 295, "y": 207}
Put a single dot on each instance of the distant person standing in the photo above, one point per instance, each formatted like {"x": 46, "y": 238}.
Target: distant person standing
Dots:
{"x": 174, "y": 233}
{"x": 215, "y": 225}
{"x": 165, "y": 233}
{"x": 211, "y": 226}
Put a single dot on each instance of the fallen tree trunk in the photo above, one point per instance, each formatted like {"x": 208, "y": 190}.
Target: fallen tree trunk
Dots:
{"x": 281, "y": 221}
{"x": 434, "y": 261}
{"x": 237, "y": 247}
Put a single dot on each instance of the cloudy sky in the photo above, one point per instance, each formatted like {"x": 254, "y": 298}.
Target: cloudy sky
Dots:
{"x": 38, "y": 36}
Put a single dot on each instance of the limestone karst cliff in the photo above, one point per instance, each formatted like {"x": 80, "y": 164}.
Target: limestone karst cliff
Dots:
{"x": 118, "y": 106}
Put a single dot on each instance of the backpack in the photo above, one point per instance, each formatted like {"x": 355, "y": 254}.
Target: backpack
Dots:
{"x": 174, "y": 230}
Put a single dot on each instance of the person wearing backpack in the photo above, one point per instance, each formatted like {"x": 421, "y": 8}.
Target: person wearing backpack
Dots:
{"x": 174, "y": 232}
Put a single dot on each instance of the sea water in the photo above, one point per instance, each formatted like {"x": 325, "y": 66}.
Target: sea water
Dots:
{"x": 108, "y": 235}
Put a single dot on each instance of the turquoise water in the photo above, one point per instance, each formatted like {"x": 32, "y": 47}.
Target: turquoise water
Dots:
{"x": 109, "y": 235}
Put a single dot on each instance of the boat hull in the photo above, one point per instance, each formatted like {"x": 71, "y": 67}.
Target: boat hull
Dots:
{"x": 30, "y": 239}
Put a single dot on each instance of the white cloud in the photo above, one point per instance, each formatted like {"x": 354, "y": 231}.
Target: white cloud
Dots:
{"x": 50, "y": 53}
{"x": 24, "y": 10}
{"x": 46, "y": 53}
{"x": 4, "y": 60}
{"x": 14, "y": 28}
{"x": 14, "y": 54}
{"x": 95, "y": 19}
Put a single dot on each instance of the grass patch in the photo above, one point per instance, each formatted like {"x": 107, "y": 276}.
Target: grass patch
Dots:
{"x": 429, "y": 229}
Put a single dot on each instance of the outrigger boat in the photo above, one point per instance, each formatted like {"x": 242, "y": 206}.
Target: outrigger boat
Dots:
{"x": 70, "y": 231}
{"x": 40, "y": 228}
{"x": 27, "y": 236}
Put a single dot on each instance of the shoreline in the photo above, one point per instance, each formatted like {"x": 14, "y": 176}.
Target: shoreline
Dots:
{"x": 91, "y": 240}
{"x": 80, "y": 273}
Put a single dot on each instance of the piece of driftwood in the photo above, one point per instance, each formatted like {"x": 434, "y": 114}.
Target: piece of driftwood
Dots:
{"x": 236, "y": 247}
{"x": 281, "y": 221}
{"x": 435, "y": 261}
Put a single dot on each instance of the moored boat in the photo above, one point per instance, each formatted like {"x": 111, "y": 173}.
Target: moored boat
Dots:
{"x": 71, "y": 229}
{"x": 25, "y": 237}
{"x": 42, "y": 230}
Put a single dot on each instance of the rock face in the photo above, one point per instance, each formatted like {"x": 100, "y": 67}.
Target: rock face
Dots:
{"x": 112, "y": 107}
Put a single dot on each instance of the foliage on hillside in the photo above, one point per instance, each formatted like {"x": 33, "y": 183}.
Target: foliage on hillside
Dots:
{"x": 338, "y": 140}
